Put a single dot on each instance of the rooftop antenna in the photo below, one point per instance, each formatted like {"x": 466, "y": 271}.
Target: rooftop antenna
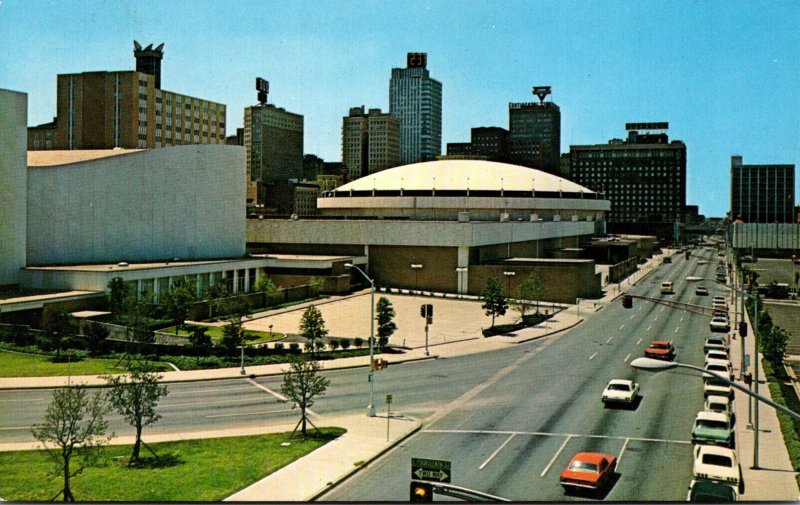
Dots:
{"x": 541, "y": 92}
{"x": 262, "y": 86}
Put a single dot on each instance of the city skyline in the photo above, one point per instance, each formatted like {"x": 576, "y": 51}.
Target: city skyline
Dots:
{"x": 721, "y": 74}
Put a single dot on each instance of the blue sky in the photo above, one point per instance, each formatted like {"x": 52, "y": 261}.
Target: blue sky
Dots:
{"x": 724, "y": 74}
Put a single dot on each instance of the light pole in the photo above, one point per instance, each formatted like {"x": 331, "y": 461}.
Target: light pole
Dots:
{"x": 509, "y": 275}
{"x": 460, "y": 279}
{"x": 241, "y": 341}
{"x": 657, "y": 365}
{"x": 371, "y": 377}
{"x": 416, "y": 267}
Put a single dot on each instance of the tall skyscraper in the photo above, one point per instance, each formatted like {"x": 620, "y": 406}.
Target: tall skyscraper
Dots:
{"x": 128, "y": 109}
{"x": 534, "y": 133}
{"x": 644, "y": 177}
{"x": 273, "y": 142}
{"x": 762, "y": 193}
{"x": 416, "y": 100}
{"x": 370, "y": 142}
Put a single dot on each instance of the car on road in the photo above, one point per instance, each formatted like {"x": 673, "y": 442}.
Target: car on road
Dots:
{"x": 713, "y": 428}
{"x": 721, "y": 404}
{"x": 588, "y": 470}
{"x": 702, "y": 262}
{"x": 720, "y": 313}
{"x": 714, "y": 354}
{"x": 667, "y": 259}
{"x": 701, "y": 291}
{"x": 719, "y": 299}
{"x": 711, "y": 491}
{"x": 666, "y": 288}
{"x": 721, "y": 367}
{"x": 719, "y": 324}
{"x": 660, "y": 349}
{"x": 717, "y": 343}
{"x": 718, "y": 463}
{"x": 712, "y": 386}
{"x": 749, "y": 259}
{"x": 620, "y": 391}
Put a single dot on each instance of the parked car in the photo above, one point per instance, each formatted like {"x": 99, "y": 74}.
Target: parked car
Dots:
{"x": 722, "y": 367}
{"x": 667, "y": 259}
{"x": 620, "y": 391}
{"x": 717, "y": 354}
{"x": 660, "y": 349}
{"x": 711, "y": 491}
{"x": 719, "y": 324}
{"x": 721, "y": 404}
{"x": 720, "y": 313}
{"x": 588, "y": 470}
{"x": 701, "y": 291}
{"x": 712, "y": 386}
{"x": 718, "y": 343}
{"x": 713, "y": 428}
{"x": 718, "y": 463}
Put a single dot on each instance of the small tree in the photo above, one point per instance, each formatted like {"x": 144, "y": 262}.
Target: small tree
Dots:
{"x": 136, "y": 318}
{"x": 135, "y": 397}
{"x": 199, "y": 340}
{"x": 233, "y": 333}
{"x": 301, "y": 384}
{"x": 177, "y": 300}
{"x": 56, "y": 325}
{"x": 494, "y": 303}
{"x": 74, "y": 424}
{"x": 96, "y": 335}
{"x": 312, "y": 326}
{"x": 773, "y": 343}
{"x": 358, "y": 342}
{"x": 528, "y": 293}
{"x": 333, "y": 344}
{"x": 265, "y": 285}
{"x": 117, "y": 292}
{"x": 345, "y": 344}
{"x": 385, "y": 318}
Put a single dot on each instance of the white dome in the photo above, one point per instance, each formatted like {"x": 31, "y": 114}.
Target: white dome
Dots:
{"x": 462, "y": 175}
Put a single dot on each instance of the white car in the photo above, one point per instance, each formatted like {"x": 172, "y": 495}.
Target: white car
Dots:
{"x": 718, "y": 299}
{"x": 721, "y": 367}
{"x": 718, "y": 463}
{"x": 721, "y": 404}
{"x": 719, "y": 324}
{"x": 620, "y": 391}
{"x": 711, "y": 491}
{"x": 717, "y": 354}
{"x": 715, "y": 387}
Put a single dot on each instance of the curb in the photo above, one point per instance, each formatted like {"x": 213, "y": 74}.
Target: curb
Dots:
{"x": 576, "y": 323}
{"x": 357, "y": 469}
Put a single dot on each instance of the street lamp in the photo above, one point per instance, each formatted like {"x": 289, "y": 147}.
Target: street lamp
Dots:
{"x": 416, "y": 267}
{"x": 509, "y": 275}
{"x": 658, "y": 365}
{"x": 371, "y": 377}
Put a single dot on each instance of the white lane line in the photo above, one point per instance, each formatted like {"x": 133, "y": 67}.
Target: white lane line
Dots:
{"x": 640, "y": 340}
{"x": 490, "y": 458}
{"x": 621, "y": 326}
{"x": 277, "y": 395}
{"x": 196, "y": 392}
{"x": 676, "y": 329}
{"x": 632, "y": 316}
{"x": 656, "y": 319}
{"x": 249, "y": 413}
{"x": 556, "y": 456}
{"x": 662, "y": 309}
{"x": 592, "y": 356}
{"x": 609, "y": 339}
{"x": 681, "y": 319}
{"x": 201, "y": 402}
{"x": 649, "y": 328}
{"x": 9, "y": 428}
{"x": 626, "y": 358}
{"x": 548, "y": 434}
{"x": 624, "y": 446}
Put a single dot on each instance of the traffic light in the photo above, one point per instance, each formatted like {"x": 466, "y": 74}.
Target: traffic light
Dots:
{"x": 743, "y": 328}
{"x": 421, "y": 491}
{"x": 627, "y": 301}
{"x": 422, "y": 310}
{"x": 430, "y": 310}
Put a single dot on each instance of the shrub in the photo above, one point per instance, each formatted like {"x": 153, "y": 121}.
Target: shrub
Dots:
{"x": 278, "y": 346}
{"x": 345, "y": 344}
{"x": 358, "y": 342}
{"x": 333, "y": 344}
{"x": 294, "y": 346}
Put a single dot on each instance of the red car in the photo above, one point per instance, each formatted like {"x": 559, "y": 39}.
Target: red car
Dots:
{"x": 660, "y": 349}
{"x": 588, "y": 470}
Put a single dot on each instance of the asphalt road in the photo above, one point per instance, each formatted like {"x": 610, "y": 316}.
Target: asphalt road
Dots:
{"x": 508, "y": 420}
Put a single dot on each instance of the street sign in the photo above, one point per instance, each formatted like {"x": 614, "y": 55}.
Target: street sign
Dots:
{"x": 388, "y": 398}
{"x": 434, "y": 470}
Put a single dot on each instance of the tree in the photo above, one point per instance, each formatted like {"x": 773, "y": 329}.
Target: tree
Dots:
{"x": 265, "y": 285}
{"x": 96, "y": 335}
{"x": 135, "y": 397}
{"x": 74, "y": 424}
{"x": 178, "y": 299}
{"x": 118, "y": 291}
{"x": 199, "y": 340}
{"x": 530, "y": 291}
{"x": 233, "y": 333}
{"x": 312, "y": 326}
{"x": 136, "y": 317}
{"x": 495, "y": 304}
{"x": 773, "y": 343}
{"x": 56, "y": 325}
{"x": 301, "y": 384}
{"x": 385, "y": 319}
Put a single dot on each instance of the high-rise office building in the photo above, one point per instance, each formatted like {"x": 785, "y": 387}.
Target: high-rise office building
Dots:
{"x": 416, "y": 100}
{"x": 534, "y": 133}
{"x": 762, "y": 193}
{"x": 128, "y": 109}
{"x": 644, "y": 177}
{"x": 273, "y": 142}
{"x": 487, "y": 143}
{"x": 370, "y": 142}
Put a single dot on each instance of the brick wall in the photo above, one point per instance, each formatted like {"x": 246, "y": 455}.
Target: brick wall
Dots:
{"x": 391, "y": 266}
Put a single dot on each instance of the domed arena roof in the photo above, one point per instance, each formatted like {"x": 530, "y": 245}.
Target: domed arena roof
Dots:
{"x": 462, "y": 175}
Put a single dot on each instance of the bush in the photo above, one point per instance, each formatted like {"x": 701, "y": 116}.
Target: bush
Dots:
{"x": 333, "y": 344}
{"x": 782, "y": 392}
{"x": 278, "y": 346}
{"x": 294, "y": 346}
{"x": 345, "y": 344}
{"x": 358, "y": 342}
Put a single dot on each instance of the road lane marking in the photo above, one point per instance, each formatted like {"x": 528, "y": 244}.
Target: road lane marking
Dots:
{"x": 621, "y": 326}
{"x": 198, "y": 391}
{"x": 242, "y": 414}
{"x": 656, "y": 319}
{"x": 681, "y": 319}
{"x": 632, "y": 317}
{"x": 201, "y": 402}
{"x": 626, "y": 358}
{"x": 9, "y": 428}
{"x": 648, "y": 328}
{"x": 609, "y": 339}
{"x": 592, "y": 356}
{"x": 277, "y": 395}
{"x": 549, "y": 434}
{"x": 640, "y": 340}
{"x": 677, "y": 328}
{"x": 624, "y": 446}
{"x": 556, "y": 456}
{"x": 490, "y": 458}
{"x": 662, "y": 309}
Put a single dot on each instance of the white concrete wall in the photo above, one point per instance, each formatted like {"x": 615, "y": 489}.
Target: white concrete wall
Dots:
{"x": 185, "y": 202}
{"x": 13, "y": 152}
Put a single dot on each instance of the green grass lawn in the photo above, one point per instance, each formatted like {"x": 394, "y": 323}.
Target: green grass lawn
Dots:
{"x": 216, "y": 333}
{"x": 30, "y": 365}
{"x": 190, "y": 470}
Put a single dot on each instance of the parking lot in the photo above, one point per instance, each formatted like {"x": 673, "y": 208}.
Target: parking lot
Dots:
{"x": 350, "y": 318}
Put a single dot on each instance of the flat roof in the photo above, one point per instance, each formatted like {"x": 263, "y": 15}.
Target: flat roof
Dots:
{"x": 133, "y": 266}
{"x": 55, "y": 158}
{"x": 43, "y": 297}
{"x": 544, "y": 260}
{"x": 303, "y": 257}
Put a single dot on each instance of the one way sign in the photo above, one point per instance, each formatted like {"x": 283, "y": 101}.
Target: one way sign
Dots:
{"x": 430, "y": 469}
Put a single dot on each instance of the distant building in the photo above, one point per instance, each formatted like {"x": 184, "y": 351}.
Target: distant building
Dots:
{"x": 762, "y": 193}
{"x": 370, "y": 142}
{"x": 644, "y": 177}
{"x": 534, "y": 135}
{"x": 329, "y": 182}
{"x": 236, "y": 140}
{"x": 416, "y": 100}
{"x": 312, "y": 166}
{"x": 305, "y": 198}
{"x": 273, "y": 142}
{"x": 13, "y": 186}
{"x": 488, "y": 143}
{"x": 127, "y": 109}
